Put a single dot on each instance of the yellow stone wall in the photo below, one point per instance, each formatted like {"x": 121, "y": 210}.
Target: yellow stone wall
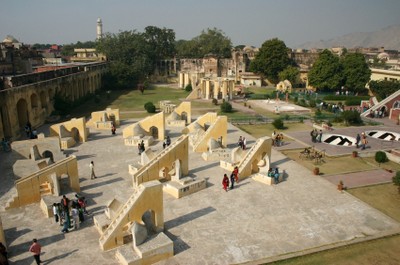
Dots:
{"x": 156, "y": 120}
{"x": 98, "y": 116}
{"x": 77, "y": 123}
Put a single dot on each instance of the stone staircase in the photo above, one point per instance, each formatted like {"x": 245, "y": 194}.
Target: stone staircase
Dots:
{"x": 247, "y": 159}
{"x": 378, "y": 105}
{"x": 122, "y": 219}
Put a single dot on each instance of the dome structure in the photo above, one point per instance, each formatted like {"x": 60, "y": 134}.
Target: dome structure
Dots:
{"x": 10, "y": 39}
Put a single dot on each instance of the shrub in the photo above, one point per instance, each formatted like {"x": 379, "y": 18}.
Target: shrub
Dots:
{"x": 287, "y": 117}
{"x": 295, "y": 99}
{"x": 353, "y": 102}
{"x": 381, "y": 157}
{"x": 318, "y": 113}
{"x": 149, "y": 106}
{"x": 312, "y": 103}
{"x": 278, "y": 124}
{"x": 226, "y": 107}
{"x": 351, "y": 117}
{"x": 214, "y": 101}
{"x": 188, "y": 88}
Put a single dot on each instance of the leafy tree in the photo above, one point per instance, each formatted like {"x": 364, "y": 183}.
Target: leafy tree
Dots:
{"x": 377, "y": 63}
{"x": 356, "y": 72}
{"x": 161, "y": 42}
{"x": 271, "y": 59}
{"x": 210, "y": 41}
{"x": 129, "y": 55}
{"x": 326, "y": 72}
{"x": 290, "y": 73}
{"x": 384, "y": 88}
{"x": 150, "y": 107}
{"x": 396, "y": 180}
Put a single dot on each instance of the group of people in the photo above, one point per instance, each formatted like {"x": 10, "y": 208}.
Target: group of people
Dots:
{"x": 66, "y": 209}
{"x": 141, "y": 147}
{"x": 277, "y": 139}
{"x": 30, "y": 133}
{"x": 274, "y": 173}
{"x": 234, "y": 177}
{"x": 242, "y": 142}
{"x": 316, "y": 137}
{"x": 361, "y": 140}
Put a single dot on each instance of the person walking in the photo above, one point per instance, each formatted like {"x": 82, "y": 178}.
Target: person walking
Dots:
{"x": 56, "y": 212}
{"x": 113, "y": 128}
{"x": 235, "y": 173}
{"x": 91, "y": 166}
{"x": 232, "y": 181}
{"x": 35, "y": 249}
{"x": 358, "y": 139}
{"x": 244, "y": 143}
{"x": 75, "y": 217}
{"x": 225, "y": 182}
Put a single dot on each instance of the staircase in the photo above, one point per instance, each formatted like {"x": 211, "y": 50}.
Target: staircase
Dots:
{"x": 378, "y": 105}
{"x": 204, "y": 135}
{"x": 108, "y": 239}
{"x": 244, "y": 163}
{"x": 45, "y": 189}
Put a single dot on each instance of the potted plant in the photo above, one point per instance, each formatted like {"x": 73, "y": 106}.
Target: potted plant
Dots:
{"x": 316, "y": 171}
{"x": 355, "y": 153}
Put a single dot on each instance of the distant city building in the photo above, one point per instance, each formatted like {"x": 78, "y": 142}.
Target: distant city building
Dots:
{"x": 87, "y": 55}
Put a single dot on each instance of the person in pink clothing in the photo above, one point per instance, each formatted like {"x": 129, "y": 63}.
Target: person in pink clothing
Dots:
{"x": 225, "y": 182}
{"x": 36, "y": 248}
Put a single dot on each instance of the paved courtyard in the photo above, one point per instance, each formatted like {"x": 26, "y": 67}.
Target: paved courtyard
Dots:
{"x": 252, "y": 223}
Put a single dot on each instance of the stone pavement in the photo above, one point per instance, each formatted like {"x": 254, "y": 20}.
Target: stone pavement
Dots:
{"x": 252, "y": 223}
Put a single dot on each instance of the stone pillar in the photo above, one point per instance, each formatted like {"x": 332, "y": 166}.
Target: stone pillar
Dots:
{"x": 231, "y": 87}
{"x": 216, "y": 89}
{"x": 207, "y": 87}
{"x": 224, "y": 88}
{"x": 186, "y": 80}
{"x": 181, "y": 79}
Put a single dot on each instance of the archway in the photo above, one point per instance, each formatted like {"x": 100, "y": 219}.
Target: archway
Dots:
{"x": 48, "y": 154}
{"x": 75, "y": 134}
{"x": 184, "y": 117}
{"x": 34, "y": 101}
{"x": 254, "y": 166}
{"x": 23, "y": 115}
{"x": 43, "y": 100}
{"x": 163, "y": 174}
{"x": 154, "y": 132}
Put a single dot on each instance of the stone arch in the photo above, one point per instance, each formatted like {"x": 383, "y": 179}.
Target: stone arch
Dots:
{"x": 396, "y": 104}
{"x": 43, "y": 100}
{"x": 23, "y": 114}
{"x": 48, "y": 154}
{"x": 34, "y": 100}
{"x": 149, "y": 219}
{"x": 154, "y": 132}
{"x": 184, "y": 116}
{"x": 164, "y": 174}
{"x": 75, "y": 134}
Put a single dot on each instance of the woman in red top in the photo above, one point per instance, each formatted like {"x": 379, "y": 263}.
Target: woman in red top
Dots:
{"x": 225, "y": 182}
{"x": 235, "y": 172}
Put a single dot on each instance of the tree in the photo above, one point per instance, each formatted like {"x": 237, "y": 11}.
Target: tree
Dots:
{"x": 130, "y": 58}
{"x": 161, "y": 42}
{"x": 351, "y": 117}
{"x": 384, "y": 88}
{"x": 396, "y": 180}
{"x": 356, "y": 72}
{"x": 290, "y": 73}
{"x": 326, "y": 72}
{"x": 271, "y": 59}
{"x": 226, "y": 107}
{"x": 210, "y": 41}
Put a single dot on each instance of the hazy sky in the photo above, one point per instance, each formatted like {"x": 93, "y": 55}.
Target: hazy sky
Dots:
{"x": 248, "y": 22}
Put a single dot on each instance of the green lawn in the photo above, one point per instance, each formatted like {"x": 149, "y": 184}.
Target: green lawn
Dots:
{"x": 261, "y": 130}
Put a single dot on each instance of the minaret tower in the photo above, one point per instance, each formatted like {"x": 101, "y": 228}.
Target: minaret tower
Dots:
{"x": 99, "y": 29}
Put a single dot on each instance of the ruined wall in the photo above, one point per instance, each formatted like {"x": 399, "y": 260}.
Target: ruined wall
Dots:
{"x": 34, "y": 102}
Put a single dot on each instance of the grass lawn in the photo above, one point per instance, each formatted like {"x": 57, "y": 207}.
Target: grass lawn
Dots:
{"x": 129, "y": 100}
{"x": 383, "y": 197}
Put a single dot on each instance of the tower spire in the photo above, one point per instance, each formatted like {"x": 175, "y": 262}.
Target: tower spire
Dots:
{"x": 99, "y": 29}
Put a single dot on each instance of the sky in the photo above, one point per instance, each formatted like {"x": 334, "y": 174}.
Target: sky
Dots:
{"x": 245, "y": 22}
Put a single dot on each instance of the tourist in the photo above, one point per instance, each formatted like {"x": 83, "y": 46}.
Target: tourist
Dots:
{"x": 276, "y": 176}
{"x": 274, "y": 138}
{"x": 139, "y": 146}
{"x": 113, "y": 128}
{"x": 240, "y": 142}
{"x": 28, "y": 129}
{"x": 235, "y": 172}
{"x": 358, "y": 138}
{"x": 232, "y": 178}
{"x": 225, "y": 182}
{"x": 65, "y": 205}
{"x": 5, "y": 145}
{"x": 168, "y": 140}
{"x": 82, "y": 203}
{"x": 320, "y": 136}
{"x": 142, "y": 148}
{"x": 36, "y": 248}
{"x": 270, "y": 172}
{"x": 364, "y": 141}
{"x": 92, "y": 174}
{"x": 56, "y": 212}
{"x": 244, "y": 143}
{"x": 65, "y": 227}
{"x": 3, "y": 255}
{"x": 75, "y": 217}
